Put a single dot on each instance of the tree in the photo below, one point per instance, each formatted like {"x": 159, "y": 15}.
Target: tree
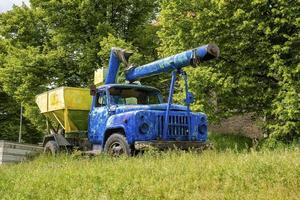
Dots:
{"x": 56, "y": 43}
{"x": 10, "y": 111}
{"x": 259, "y": 66}
{"x": 10, "y": 121}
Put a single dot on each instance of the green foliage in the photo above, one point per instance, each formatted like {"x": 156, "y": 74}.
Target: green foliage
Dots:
{"x": 10, "y": 120}
{"x": 259, "y": 66}
{"x": 172, "y": 175}
{"x": 61, "y": 42}
{"x": 9, "y": 106}
{"x": 111, "y": 41}
{"x": 55, "y": 43}
{"x": 273, "y": 143}
{"x": 22, "y": 75}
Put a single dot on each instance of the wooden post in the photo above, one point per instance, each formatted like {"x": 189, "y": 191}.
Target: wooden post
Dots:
{"x": 21, "y": 121}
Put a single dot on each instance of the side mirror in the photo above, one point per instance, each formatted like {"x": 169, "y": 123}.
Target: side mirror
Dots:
{"x": 93, "y": 90}
{"x": 190, "y": 98}
{"x": 112, "y": 109}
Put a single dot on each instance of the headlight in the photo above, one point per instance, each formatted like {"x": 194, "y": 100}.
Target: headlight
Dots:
{"x": 144, "y": 127}
{"x": 202, "y": 129}
{"x": 202, "y": 119}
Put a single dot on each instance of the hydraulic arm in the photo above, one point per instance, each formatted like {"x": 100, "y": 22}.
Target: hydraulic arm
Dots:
{"x": 178, "y": 61}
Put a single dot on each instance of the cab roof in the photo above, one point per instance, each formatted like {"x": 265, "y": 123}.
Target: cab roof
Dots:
{"x": 134, "y": 86}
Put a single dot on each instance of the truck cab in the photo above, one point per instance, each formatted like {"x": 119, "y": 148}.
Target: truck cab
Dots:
{"x": 128, "y": 117}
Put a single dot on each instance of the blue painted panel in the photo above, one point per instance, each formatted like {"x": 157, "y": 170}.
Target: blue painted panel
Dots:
{"x": 114, "y": 63}
{"x": 97, "y": 120}
{"x": 163, "y": 107}
{"x": 126, "y": 121}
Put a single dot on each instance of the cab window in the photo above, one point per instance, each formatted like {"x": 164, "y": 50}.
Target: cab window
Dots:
{"x": 101, "y": 99}
{"x": 133, "y": 96}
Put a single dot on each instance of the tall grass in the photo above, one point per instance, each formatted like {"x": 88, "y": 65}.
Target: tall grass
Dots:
{"x": 212, "y": 174}
{"x": 222, "y": 142}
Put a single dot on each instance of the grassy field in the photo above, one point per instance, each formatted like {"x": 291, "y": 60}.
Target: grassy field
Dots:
{"x": 233, "y": 172}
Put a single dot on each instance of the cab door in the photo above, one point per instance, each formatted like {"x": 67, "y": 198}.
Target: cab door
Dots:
{"x": 98, "y": 117}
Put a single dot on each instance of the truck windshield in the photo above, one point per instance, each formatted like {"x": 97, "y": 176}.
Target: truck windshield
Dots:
{"x": 133, "y": 96}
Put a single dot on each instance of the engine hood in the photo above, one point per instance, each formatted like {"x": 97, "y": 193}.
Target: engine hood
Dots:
{"x": 127, "y": 108}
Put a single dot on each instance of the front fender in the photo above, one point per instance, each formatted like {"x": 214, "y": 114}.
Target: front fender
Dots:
{"x": 126, "y": 121}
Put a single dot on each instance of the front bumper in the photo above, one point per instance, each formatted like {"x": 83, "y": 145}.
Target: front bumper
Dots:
{"x": 163, "y": 145}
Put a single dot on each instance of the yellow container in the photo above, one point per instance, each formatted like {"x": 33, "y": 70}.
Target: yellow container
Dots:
{"x": 68, "y": 106}
{"x": 99, "y": 76}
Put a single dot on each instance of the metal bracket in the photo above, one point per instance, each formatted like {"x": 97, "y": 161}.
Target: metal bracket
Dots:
{"x": 189, "y": 98}
{"x": 195, "y": 61}
{"x": 170, "y": 101}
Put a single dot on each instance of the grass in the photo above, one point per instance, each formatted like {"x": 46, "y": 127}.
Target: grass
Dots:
{"x": 222, "y": 142}
{"x": 222, "y": 173}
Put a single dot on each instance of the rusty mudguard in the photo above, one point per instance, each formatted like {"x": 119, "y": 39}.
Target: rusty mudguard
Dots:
{"x": 164, "y": 145}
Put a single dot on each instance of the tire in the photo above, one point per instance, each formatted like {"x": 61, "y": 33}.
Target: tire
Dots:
{"x": 116, "y": 145}
{"x": 51, "y": 147}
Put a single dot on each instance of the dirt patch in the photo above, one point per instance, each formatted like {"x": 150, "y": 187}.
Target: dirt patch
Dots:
{"x": 245, "y": 124}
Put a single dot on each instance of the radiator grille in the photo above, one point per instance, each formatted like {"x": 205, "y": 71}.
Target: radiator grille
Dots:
{"x": 177, "y": 125}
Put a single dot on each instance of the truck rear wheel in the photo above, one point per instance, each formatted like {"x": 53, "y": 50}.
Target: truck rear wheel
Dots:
{"x": 51, "y": 147}
{"x": 116, "y": 145}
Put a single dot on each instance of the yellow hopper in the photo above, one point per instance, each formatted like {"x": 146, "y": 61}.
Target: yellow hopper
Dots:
{"x": 68, "y": 106}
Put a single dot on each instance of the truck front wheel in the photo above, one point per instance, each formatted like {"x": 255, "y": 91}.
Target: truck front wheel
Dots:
{"x": 116, "y": 145}
{"x": 51, "y": 147}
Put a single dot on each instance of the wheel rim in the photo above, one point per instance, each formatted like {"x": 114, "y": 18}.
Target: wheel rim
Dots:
{"x": 116, "y": 149}
{"x": 47, "y": 151}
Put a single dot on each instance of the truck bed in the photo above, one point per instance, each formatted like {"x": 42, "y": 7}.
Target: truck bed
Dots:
{"x": 67, "y": 106}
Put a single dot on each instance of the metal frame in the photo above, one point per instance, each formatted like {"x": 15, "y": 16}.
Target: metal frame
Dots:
{"x": 188, "y": 101}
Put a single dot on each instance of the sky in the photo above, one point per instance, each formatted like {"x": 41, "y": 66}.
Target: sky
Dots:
{"x": 6, "y": 5}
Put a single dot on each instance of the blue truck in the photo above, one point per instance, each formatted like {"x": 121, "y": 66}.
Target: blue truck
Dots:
{"x": 126, "y": 118}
